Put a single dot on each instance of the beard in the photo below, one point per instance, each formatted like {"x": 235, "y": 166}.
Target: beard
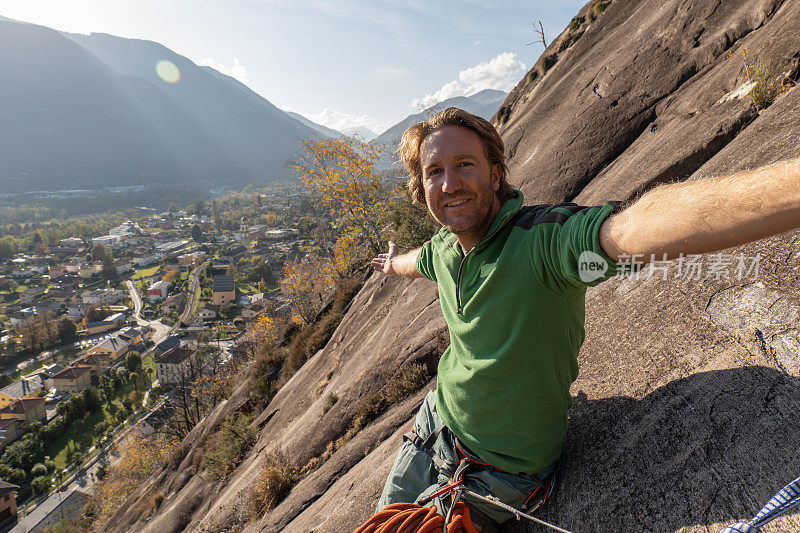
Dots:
{"x": 474, "y": 217}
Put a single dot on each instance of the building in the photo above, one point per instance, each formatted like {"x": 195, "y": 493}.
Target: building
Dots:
{"x": 208, "y": 312}
{"x": 144, "y": 259}
{"x": 158, "y": 291}
{"x": 57, "y": 271}
{"x": 279, "y": 234}
{"x": 46, "y": 374}
{"x": 123, "y": 266}
{"x": 8, "y": 504}
{"x": 115, "y": 347}
{"x": 28, "y": 296}
{"x": 106, "y": 324}
{"x": 71, "y": 379}
{"x": 174, "y": 367}
{"x": 173, "y": 341}
{"x": 173, "y": 303}
{"x": 10, "y": 430}
{"x": 26, "y": 410}
{"x": 97, "y": 363}
{"x": 192, "y": 259}
{"x": 132, "y": 335}
{"x": 20, "y": 389}
{"x": 105, "y": 240}
{"x": 224, "y": 290}
{"x": 110, "y": 296}
{"x": 77, "y": 310}
{"x": 71, "y": 242}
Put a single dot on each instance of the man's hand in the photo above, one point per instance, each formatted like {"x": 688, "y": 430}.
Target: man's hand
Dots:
{"x": 384, "y": 261}
{"x": 402, "y": 265}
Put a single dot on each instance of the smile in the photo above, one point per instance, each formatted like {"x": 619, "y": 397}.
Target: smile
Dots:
{"x": 456, "y": 203}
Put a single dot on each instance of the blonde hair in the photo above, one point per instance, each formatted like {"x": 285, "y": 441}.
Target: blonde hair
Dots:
{"x": 452, "y": 116}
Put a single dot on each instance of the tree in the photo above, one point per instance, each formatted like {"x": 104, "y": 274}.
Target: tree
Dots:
{"x": 199, "y": 208}
{"x": 133, "y": 361}
{"x": 106, "y": 384}
{"x": 97, "y": 311}
{"x": 91, "y": 399}
{"x": 340, "y": 174}
{"x": 305, "y": 284}
{"x": 197, "y": 233}
{"x": 263, "y": 330}
{"x": 41, "y": 484}
{"x": 67, "y": 331}
{"x": 38, "y": 470}
{"x": 171, "y": 275}
{"x": 109, "y": 271}
{"x": 99, "y": 252}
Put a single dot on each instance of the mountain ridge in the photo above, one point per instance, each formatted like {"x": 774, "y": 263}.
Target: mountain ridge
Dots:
{"x": 91, "y": 110}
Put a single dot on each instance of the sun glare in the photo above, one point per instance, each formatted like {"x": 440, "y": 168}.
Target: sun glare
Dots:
{"x": 167, "y": 71}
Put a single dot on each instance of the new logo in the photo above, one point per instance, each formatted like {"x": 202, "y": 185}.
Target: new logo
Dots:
{"x": 591, "y": 266}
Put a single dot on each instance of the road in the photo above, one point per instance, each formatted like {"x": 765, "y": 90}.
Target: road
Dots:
{"x": 160, "y": 330}
{"x": 187, "y": 309}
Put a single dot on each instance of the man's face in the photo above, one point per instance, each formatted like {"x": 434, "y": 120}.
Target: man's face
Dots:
{"x": 459, "y": 183}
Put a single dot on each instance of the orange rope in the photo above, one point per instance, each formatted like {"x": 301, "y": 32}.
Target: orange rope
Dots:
{"x": 413, "y": 518}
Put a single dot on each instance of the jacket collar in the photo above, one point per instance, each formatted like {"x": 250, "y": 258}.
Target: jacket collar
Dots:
{"x": 504, "y": 215}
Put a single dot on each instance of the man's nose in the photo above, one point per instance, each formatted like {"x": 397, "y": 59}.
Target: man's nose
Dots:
{"x": 451, "y": 182}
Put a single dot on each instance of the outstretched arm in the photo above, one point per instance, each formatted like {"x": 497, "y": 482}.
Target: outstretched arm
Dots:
{"x": 391, "y": 263}
{"x": 707, "y": 215}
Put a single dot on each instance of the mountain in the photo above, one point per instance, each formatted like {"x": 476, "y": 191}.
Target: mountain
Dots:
{"x": 328, "y": 132}
{"x": 363, "y": 133}
{"x": 89, "y": 111}
{"x": 685, "y": 408}
{"x": 484, "y": 104}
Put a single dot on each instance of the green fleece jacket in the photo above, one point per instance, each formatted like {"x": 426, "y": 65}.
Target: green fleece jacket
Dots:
{"x": 515, "y": 309}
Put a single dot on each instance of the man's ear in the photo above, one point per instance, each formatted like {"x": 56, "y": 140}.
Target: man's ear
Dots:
{"x": 497, "y": 172}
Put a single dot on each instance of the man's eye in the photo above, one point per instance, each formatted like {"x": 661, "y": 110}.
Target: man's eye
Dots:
{"x": 465, "y": 163}
{"x": 433, "y": 172}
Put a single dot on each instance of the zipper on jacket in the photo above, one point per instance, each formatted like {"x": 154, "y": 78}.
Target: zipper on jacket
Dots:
{"x": 458, "y": 281}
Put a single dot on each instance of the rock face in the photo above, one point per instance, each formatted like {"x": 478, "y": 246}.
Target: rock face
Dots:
{"x": 686, "y": 406}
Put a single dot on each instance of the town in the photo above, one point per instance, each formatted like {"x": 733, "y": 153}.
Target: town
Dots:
{"x": 100, "y": 335}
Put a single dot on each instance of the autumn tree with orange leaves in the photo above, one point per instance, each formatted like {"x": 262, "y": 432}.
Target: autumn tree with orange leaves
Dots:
{"x": 340, "y": 174}
{"x": 305, "y": 284}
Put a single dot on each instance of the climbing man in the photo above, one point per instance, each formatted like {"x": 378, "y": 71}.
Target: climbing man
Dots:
{"x": 512, "y": 281}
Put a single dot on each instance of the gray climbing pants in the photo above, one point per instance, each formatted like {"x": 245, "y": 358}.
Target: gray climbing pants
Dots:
{"x": 414, "y": 475}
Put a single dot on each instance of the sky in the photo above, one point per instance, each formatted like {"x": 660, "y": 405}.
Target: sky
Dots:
{"x": 341, "y": 63}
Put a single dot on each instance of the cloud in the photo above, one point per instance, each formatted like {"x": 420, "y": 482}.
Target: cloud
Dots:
{"x": 478, "y": 43}
{"x": 390, "y": 71}
{"x": 237, "y": 70}
{"x": 501, "y": 72}
{"x": 342, "y": 121}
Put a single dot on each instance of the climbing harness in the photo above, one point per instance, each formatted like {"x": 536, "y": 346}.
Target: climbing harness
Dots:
{"x": 416, "y": 518}
{"x": 784, "y": 501}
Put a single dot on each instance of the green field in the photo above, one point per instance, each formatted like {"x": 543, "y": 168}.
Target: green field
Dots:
{"x": 80, "y": 435}
{"x": 146, "y": 272}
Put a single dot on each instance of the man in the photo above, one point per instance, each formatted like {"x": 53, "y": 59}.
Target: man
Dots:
{"x": 512, "y": 282}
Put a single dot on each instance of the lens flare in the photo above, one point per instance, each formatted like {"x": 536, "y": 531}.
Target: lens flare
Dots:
{"x": 167, "y": 71}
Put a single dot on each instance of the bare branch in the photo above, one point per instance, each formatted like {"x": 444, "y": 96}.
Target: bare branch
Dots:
{"x": 540, "y": 32}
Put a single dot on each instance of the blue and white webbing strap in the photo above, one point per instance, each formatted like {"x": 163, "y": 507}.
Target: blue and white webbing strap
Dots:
{"x": 784, "y": 501}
